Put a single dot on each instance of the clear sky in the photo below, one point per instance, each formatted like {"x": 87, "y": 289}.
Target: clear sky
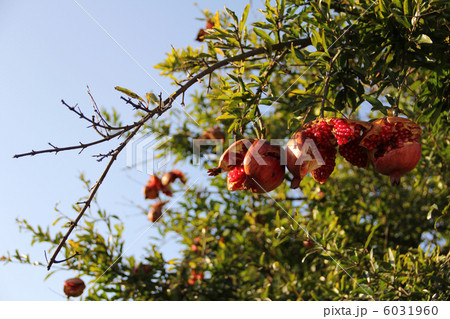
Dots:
{"x": 51, "y": 50}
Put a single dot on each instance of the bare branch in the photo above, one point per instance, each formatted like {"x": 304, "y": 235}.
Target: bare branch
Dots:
{"x": 92, "y": 194}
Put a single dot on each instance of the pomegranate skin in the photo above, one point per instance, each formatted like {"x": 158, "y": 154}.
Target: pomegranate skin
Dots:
{"x": 297, "y": 164}
{"x": 156, "y": 212}
{"x": 152, "y": 187}
{"x": 262, "y": 167}
{"x": 232, "y": 157}
{"x": 398, "y": 162}
{"x": 74, "y": 287}
{"x": 251, "y": 165}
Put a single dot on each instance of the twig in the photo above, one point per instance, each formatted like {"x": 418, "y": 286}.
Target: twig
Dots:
{"x": 327, "y": 84}
{"x": 399, "y": 94}
{"x": 92, "y": 194}
{"x": 136, "y": 106}
{"x": 96, "y": 109}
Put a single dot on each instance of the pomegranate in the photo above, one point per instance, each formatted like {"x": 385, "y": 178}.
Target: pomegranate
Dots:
{"x": 394, "y": 146}
{"x": 322, "y": 173}
{"x": 156, "y": 212}
{"x": 309, "y": 244}
{"x": 262, "y": 167}
{"x": 236, "y": 178}
{"x": 251, "y": 165}
{"x": 170, "y": 177}
{"x": 191, "y": 281}
{"x": 317, "y": 141}
{"x": 152, "y": 187}
{"x": 199, "y": 276}
{"x": 74, "y": 287}
{"x": 312, "y": 149}
{"x": 213, "y": 133}
{"x": 201, "y": 33}
{"x": 195, "y": 276}
{"x": 166, "y": 190}
{"x": 346, "y": 130}
{"x": 232, "y": 157}
{"x": 142, "y": 269}
{"x": 298, "y": 160}
{"x": 354, "y": 153}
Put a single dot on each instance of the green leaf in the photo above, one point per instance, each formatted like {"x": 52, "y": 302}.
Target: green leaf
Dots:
{"x": 406, "y": 8}
{"x": 151, "y": 97}
{"x": 371, "y": 235}
{"x": 232, "y": 15}
{"x": 423, "y": 38}
{"x": 128, "y": 92}
{"x": 391, "y": 257}
{"x": 403, "y": 21}
{"x": 262, "y": 34}
{"x": 430, "y": 211}
{"x": 226, "y": 116}
{"x": 244, "y": 18}
{"x": 374, "y": 101}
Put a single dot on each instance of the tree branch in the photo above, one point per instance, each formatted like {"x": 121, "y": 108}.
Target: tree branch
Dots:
{"x": 135, "y": 127}
{"x": 92, "y": 195}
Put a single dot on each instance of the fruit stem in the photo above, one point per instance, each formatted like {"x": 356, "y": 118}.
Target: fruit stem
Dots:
{"x": 396, "y": 107}
{"x": 260, "y": 127}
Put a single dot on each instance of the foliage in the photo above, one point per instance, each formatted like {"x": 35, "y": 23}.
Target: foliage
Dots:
{"x": 304, "y": 59}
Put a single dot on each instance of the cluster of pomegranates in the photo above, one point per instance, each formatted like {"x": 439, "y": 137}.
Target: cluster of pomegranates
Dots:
{"x": 142, "y": 269}
{"x": 155, "y": 185}
{"x": 195, "y": 276}
{"x": 390, "y": 144}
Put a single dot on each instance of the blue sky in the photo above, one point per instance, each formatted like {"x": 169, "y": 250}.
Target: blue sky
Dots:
{"x": 51, "y": 50}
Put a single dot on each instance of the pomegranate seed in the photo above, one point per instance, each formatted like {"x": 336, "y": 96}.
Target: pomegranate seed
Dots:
{"x": 236, "y": 178}
{"x": 354, "y": 154}
{"x": 346, "y": 132}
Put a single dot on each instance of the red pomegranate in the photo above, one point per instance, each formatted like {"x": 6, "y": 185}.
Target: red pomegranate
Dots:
{"x": 194, "y": 248}
{"x": 155, "y": 212}
{"x": 74, "y": 287}
{"x": 142, "y": 269}
{"x": 202, "y": 32}
{"x": 262, "y": 167}
{"x": 313, "y": 147}
{"x": 199, "y": 276}
{"x": 394, "y": 146}
{"x": 170, "y": 177}
{"x": 251, "y": 165}
{"x": 152, "y": 187}
{"x": 298, "y": 158}
{"x": 309, "y": 244}
{"x": 191, "y": 281}
{"x": 354, "y": 153}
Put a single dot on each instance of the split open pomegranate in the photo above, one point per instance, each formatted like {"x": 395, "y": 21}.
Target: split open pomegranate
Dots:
{"x": 251, "y": 165}
{"x": 313, "y": 147}
{"x": 394, "y": 147}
